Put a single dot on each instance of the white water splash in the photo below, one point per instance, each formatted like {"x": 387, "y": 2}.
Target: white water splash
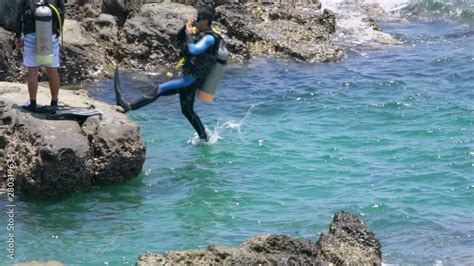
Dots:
{"x": 220, "y": 128}
{"x": 355, "y": 21}
{"x": 389, "y": 6}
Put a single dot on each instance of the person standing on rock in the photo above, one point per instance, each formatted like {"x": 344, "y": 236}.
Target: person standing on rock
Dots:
{"x": 200, "y": 50}
{"x": 26, "y": 25}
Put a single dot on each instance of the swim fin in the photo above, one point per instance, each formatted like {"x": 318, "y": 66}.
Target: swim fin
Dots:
{"x": 70, "y": 112}
{"x": 119, "y": 99}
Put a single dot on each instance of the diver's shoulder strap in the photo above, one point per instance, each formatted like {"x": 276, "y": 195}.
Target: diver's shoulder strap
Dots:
{"x": 214, "y": 32}
{"x": 220, "y": 47}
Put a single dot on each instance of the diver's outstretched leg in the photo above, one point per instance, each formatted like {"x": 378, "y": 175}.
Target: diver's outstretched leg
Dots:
{"x": 126, "y": 105}
{"x": 168, "y": 88}
{"x": 145, "y": 100}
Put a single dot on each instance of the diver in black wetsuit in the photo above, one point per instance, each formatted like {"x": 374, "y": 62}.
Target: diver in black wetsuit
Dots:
{"x": 200, "y": 52}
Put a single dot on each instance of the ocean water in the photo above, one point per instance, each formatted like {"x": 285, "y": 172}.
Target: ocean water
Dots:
{"x": 387, "y": 134}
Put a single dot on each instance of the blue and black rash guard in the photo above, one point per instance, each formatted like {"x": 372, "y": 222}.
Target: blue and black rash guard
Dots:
{"x": 200, "y": 49}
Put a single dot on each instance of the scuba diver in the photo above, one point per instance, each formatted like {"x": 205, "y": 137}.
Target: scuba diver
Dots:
{"x": 200, "y": 50}
{"x": 41, "y": 23}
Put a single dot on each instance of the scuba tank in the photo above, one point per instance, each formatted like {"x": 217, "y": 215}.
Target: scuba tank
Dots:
{"x": 44, "y": 33}
{"x": 209, "y": 87}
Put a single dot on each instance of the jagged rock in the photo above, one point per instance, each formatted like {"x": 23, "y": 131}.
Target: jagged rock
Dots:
{"x": 8, "y": 14}
{"x": 100, "y": 34}
{"x": 298, "y": 31}
{"x": 104, "y": 28}
{"x": 349, "y": 240}
{"x": 82, "y": 9}
{"x": 10, "y": 65}
{"x": 121, "y": 8}
{"x": 82, "y": 56}
{"x": 351, "y": 243}
{"x": 55, "y": 157}
{"x": 147, "y": 40}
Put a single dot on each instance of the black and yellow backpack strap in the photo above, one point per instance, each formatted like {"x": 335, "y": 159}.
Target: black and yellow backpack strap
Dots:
{"x": 216, "y": 33}
{"x": 57, "y": 12}
{"x": 182, "y": 59}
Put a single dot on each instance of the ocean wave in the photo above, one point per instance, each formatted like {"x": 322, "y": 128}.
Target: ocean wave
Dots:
{"x": 458, "y": 10}
{"x": 356, "y": 22}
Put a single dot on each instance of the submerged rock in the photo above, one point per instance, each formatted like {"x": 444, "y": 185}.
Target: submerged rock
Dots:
{"x": 54, "y": 157}
{"x": 348, "y": 242}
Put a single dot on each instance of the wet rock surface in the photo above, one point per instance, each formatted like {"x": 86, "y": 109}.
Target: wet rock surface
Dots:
{"x": 348, "y": 242}
{"x": 56, "y": 157}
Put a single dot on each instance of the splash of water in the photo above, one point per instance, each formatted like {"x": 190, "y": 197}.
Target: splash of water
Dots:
{"x": 356, "y": 26}
{"x": 216, "y": 133}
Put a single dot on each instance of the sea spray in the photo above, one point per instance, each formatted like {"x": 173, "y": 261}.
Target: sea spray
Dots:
{"x": 216, "y": 133}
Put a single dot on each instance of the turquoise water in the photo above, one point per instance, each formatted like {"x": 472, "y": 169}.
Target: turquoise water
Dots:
{"x": 386, "y": 134}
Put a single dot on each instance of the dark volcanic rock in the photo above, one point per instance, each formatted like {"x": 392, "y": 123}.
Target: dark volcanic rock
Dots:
{"x": 100, "y": 34}
{"x": 8, "y": 14}
{"x": 10, "y": 64}
{"x": 351, "y": 243}
{"x": 298, "y": 31}
{"x": 83, "y": 57}
{"x": 55, "y": 157}
{"x": 147, "y": 40}
{"x": 121, "y": 8}
{"x": 82, "y": 9}
{"x": 349, "y": 240}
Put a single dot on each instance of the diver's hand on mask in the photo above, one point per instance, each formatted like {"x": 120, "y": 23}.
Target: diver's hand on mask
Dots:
{"x": 190, "y": 24}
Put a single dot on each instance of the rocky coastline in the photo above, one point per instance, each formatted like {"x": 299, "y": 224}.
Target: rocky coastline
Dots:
{"x": 141, "y": 35}
{"x": 59, "y": 157}
{"x": 348, "y": 242}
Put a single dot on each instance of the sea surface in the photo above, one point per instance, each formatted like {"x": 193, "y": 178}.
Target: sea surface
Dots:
{"x": 387, "y": 133}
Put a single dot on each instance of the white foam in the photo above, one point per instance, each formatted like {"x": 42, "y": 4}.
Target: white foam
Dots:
{"x": 389, "y": 6}
{"x": 220, "y": 128}
{"x": 352, "y": 21}
{"x": 213, "y": 136}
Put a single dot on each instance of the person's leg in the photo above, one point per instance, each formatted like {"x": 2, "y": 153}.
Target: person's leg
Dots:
{"x": 173, "y": 86}
{"x": 32, "y": 81}
{"x": 168, "y": 88}
{"x": 53, "y": 76}
{"x": 186, "y": 98}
